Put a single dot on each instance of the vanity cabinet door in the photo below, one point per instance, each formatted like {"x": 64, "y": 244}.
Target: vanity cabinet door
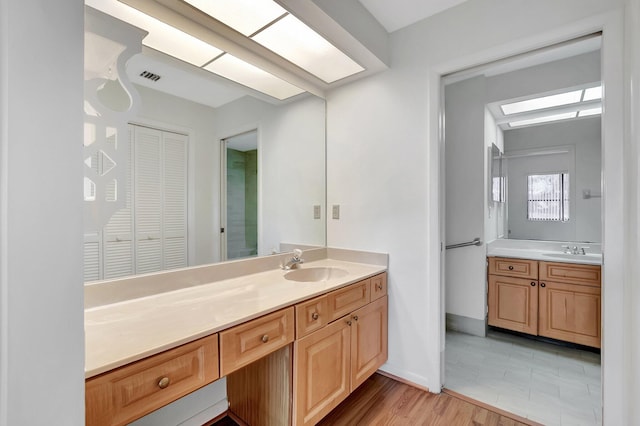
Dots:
{"x": 368, "y": 340}
{"x": 321, "y": 372}
{"x": 513, "y": 303}
{"x": 570, "y": 312}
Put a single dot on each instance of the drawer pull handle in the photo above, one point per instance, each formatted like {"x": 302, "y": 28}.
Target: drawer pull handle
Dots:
{"x": 379, "y": 286}
{"x": 355, "y": 317}
{"x": 315, "y": 316}
{"x": 543, "y": 285}
{"x": 511, "y": 267}
{"x": 533, "y": 283}
{"x": 265, "y": 338}
{"x": 164, "y": 383}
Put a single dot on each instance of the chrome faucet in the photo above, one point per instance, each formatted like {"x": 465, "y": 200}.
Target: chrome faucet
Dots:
{"x": 294, "y": 261}
{"x": 574, "y": 250}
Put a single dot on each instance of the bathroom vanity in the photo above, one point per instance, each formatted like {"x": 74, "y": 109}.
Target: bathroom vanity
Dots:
{"x": 292, "y": 347}
{"x": 560, "y": 300}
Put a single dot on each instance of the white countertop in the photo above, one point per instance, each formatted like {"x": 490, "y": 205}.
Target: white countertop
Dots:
{"x": 548, "y": 251}
{"x": 119, "y": 333}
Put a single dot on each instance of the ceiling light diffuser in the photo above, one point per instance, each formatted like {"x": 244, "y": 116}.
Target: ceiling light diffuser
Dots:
{"x": 588, "y": 112}
{"x": 244, "y": 16}
{"x": 592, "y": 93}
{"x": 162, "y": 37}
{"x": 295, "y": 41}
{"x": 544, "y": 119}
{"x": 542, "y": 102}
{"x": 237, "y": 70}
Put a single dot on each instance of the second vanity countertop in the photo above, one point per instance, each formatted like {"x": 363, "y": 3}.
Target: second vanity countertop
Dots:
{"x": 544, "y": 251}
{"x": 119, "y": 333}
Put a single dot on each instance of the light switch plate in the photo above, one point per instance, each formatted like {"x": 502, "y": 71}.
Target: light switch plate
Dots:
{"x": 317, "y": 212}
{"x": 335, "y": 211}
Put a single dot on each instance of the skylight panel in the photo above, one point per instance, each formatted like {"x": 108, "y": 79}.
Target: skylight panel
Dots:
{"x": 295, "y": 41}
{"x": 162, "y": 37}
{"x": 588, "y": 112}
{"x": 542, "y": 102}
{"x": 235, "y": 69}
{"x": 544, "y": 119}
{"x": 592, "y": 93}
{"x": 245, "y": 16}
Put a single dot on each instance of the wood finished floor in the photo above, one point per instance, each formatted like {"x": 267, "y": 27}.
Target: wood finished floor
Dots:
{"x": 384, "y": 401}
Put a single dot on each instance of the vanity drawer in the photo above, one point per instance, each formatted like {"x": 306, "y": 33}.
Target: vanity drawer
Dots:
{"x": 128, "y": 393}
{"x": 348, "y": 299}
{"x": 378, "y": 286}
{"x": 311, "y": 315}
{"x": 248, "y": 342}
{"x": 570, "y": 273}
{"x": 520, "y": 268}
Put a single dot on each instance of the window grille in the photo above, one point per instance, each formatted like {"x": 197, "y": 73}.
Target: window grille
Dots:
{"x": 548, "y": 197}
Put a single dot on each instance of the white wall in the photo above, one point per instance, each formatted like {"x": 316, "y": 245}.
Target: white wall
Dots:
{"x": 41, "y": 213}
{"x": 389, "y": 122}
{"x": 583, "y": 164}
{"x": 465, "y": 195}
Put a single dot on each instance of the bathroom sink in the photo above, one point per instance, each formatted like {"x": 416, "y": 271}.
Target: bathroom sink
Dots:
{"x": 315, "y": 274}
{"x": 568, "y": 256}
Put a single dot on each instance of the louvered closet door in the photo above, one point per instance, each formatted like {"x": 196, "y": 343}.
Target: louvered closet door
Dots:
{"x": 119, "y": 258}
{"x": 148, "y": 199}
{"x": 92, "y": 256}
{"x": 174, "y": 200}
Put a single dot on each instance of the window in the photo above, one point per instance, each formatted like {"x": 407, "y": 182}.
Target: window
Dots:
{"x": 548, "y": 197}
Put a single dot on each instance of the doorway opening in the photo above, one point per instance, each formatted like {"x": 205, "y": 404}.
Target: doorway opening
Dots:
{"x": 501, "y": 347}
{"x": 239, "y": 204}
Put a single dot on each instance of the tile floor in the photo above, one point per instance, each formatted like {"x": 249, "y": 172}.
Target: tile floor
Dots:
{"x": 543, "y": 382}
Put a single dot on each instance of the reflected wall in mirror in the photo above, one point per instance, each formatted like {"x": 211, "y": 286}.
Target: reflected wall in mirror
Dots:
{"x": 548, "y": 118}
{"x": 174, "y": 189}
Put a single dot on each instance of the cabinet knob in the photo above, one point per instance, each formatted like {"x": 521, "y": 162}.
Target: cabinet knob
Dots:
{"x": 355, "y": 317}
{"x": 315, "y": 316}
{"x": 265, "y": 338}
{"x": 543, "y": 285}
{"x": 510, "y": 267}
{"x": 164, "y": 382}
{"x": 533, "y": 283}
{"x": 379, "y": 286}
{"x": 349, "y": 323}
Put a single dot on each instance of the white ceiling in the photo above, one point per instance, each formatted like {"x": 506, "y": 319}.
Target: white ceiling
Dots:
{"x": 397, "y": 14}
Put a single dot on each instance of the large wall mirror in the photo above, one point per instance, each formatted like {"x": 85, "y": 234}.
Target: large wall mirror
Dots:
{"x": 215, "y": 172}
{"x": 548, "y": 128}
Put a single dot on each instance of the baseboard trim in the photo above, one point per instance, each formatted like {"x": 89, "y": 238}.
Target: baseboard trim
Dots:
{"x": 401, "y": 380}
{"x": 486, "y": 406}
{"x": 473, "y": 326}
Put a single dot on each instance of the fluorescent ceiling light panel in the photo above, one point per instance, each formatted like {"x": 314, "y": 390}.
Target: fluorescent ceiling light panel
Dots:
{"x": 245, "y": 16}
{"x": 544, "y": 119}
{"x": 295, "y": 41}
{"x": 162, "y": 37}
{"x": 235, "y": 69}
{"x": 543, "y": 102}
{"x": 588, "y": 112}
{"x": 592, "y": 93}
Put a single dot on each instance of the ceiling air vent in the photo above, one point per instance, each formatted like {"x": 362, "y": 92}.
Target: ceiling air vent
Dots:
{"x": 149, "y": 75}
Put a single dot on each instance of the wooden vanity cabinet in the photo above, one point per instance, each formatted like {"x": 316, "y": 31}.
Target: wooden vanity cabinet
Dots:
{"x": 552, "y": 299}
{"x": 128, "y": 393}
{"x": 331, "y": 363}
{"x": 569, "y": 306}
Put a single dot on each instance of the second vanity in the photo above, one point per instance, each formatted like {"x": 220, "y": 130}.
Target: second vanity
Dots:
{"x": 545, "y": 292}
{"x": 292, "y": 347}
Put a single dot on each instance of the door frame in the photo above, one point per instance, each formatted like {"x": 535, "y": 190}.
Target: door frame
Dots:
{"x": 613, "y": 271}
